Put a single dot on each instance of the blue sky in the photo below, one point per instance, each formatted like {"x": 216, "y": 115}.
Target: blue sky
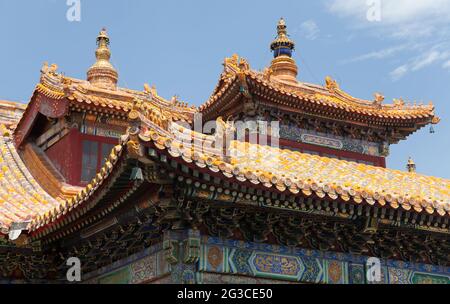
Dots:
{"x": 179, "y": 46}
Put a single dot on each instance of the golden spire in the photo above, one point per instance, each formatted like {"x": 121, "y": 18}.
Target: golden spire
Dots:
{"x": 102, "y": 73}
{"x": 283, "y": 66}
{"x": 282, "y": 41}
{"x": 411, "y": 166}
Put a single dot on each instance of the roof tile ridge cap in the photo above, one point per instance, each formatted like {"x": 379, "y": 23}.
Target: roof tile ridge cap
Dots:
{"x": 111, "y": 93}
{"x": 168, "y": 104}
{"x": 276, "y": 84}
{"x": 384, "y": 107}
{"x": 355, "y": 100}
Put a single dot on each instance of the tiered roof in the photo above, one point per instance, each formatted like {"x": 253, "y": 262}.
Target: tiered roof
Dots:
{"x": 98, "y": 94}
{"x": 282, "y": 171}
{"x": 243, "y": 90}
{"x": 153, "y": 125}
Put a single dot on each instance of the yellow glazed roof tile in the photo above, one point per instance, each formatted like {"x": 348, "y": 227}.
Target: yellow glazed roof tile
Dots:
{"x": 21, "y": 197}
{"x": 296, "y": 172}
{"x": 329, "y": 95}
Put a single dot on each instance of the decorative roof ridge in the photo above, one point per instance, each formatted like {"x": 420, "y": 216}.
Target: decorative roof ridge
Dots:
{"x": 233, "y": 67}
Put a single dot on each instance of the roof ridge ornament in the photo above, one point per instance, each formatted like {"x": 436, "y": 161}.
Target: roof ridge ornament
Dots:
{"x": 331, "y": 84}
{"x": 411, "y": 165}
{"x": 102, "y": 73}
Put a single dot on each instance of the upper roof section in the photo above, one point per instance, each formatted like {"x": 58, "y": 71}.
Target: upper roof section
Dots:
{"x": 100, "y": 90}
{"x": 278, "y": 86}
{"x": 85, "y": 93}
{"x": 56, "y": 93}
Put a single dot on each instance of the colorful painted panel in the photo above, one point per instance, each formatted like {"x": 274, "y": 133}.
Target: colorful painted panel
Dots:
{"x": 357, "y": 274}
{"x": 426, "y": 278}
{"x": 313, "y": 270}
{"x": 399, "y": 276}
{"x": 335, "y": 272}
{"x": 143, "y": 270}
{"x": 309, "y": 266}
{"x": 276, "y": 266}
{"x": 213, "y": 259}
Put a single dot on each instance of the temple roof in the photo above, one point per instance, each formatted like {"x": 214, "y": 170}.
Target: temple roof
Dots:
{"x": 155, "y": 124}
{"x": 83, "y": 93}
{"x": 306, "y": 174}
{"x": 284, "y": 171}
{"x": 313, "y": 99}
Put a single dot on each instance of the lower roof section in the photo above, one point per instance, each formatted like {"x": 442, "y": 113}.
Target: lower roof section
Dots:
{"x": 304, "y": 174}
{"x": 290, "y": 173}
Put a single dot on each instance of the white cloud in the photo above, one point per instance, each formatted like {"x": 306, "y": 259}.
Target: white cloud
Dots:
{"x": 399, "y": 72}
{"x": 380, "y": 54}
{"x": 446, "y": 65}
{"x": 393, "y": 11}
{"x": 426, "y": 60}
{"x": 420, "y": 62}
{"x": 423, "y": 26}
{"x": 309, "y": 29}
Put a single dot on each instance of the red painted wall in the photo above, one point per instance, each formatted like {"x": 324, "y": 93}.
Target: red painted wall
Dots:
{"x": 66, "y": 154}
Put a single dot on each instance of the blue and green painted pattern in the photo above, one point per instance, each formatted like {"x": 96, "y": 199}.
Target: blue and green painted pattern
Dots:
{"x": 233, "y": 261}
{"x": 293, "y": 264}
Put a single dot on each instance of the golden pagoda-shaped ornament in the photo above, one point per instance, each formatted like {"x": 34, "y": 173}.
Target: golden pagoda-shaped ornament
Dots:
{"x": 283, "y": 66}
{"x": 102, "y": 73}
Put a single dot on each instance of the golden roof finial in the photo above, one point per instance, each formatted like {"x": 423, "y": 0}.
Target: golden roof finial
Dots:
{"x": 283, "y": 66}
{"x": 282, "y": 45}
{"x": 411, "y": 166}
{"x": 102, "y": 73}
{"x": 281, "y": 27}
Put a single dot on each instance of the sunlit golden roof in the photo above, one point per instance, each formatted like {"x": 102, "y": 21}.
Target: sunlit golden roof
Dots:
{"x": 286, "y": 171}
{"x": 306, "y": 174}
{"x": 300, "y": 96}
{"x": 118, "y": 100}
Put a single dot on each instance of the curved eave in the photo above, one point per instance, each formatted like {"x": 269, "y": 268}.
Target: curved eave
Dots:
{"x": 315, "y": 103}
{"x": 283, "y": 182}
{"x": 75, "y": 208}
